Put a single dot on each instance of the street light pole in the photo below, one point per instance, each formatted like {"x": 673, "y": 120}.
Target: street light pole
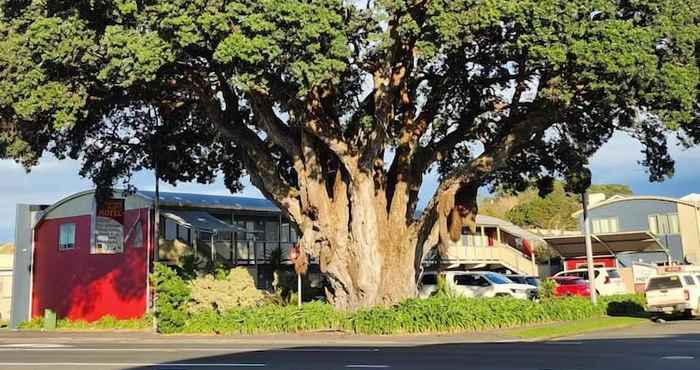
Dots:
{"x": 589, "y": 248}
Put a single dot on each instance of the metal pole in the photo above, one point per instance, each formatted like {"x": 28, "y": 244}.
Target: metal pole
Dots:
{"x": 299, "y": 288}
{"x": 589, "y": 248}
{"x": 156, "y": 243}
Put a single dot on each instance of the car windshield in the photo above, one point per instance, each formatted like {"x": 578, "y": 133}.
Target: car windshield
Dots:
{"x": 613, "y": 274}
{"x": 517, "y": 279}
{"x": 664, "y": 282}
{"x": 498, "y": 279}
{"x": 429, "y": 279}
{"x": 532, "y": 281}
{"x": 571, "y": 281}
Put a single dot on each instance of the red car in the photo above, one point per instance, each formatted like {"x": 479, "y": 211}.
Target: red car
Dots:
{"x": 571, "y": 286}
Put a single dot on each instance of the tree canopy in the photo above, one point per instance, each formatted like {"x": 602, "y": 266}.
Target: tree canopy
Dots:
{"x": 336, "y": 110}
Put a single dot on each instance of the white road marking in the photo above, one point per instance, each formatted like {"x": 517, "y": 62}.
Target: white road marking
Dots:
{"x": 678, "y": 358}
{"x": 34, "y": 345}
{"x": 193, "y": 349}
{"x": 132, "y": 364}
{"x": 367, "y": 366}
{"x": 688, "y": 340}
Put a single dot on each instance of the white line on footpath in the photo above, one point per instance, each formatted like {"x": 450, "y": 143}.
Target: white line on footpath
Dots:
{"x": 34, "y": 345}
{"x": 565, "y": 343}
{"x": 132, "y": 364}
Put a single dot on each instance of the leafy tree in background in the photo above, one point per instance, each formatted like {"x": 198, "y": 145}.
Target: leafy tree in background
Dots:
{"x": 611, "y": 189}
{"x": 336, "y": 110}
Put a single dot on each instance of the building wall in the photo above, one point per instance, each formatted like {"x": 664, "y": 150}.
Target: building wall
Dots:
{"x": 690, "y": 232}
{"x": 5, "y": 286}
{"x": 633, "y": 215}
{"x": 80, "y": 285}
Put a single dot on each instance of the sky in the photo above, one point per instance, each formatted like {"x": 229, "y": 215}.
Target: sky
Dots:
{"x": 616, "y": 162}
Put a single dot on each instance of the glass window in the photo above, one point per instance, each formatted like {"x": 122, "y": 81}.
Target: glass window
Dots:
{"x": 284, "y": 232}
{"x": 664, "y": 282}
{"x": 66, "y": 237}
{"x": 170, "y": 229}
{"x": 673, "y": 223}
{"x": 429, "y": 279}
{"x": 183, "y": 233}
{"x": 689, "y": 280}
{"x": 498, "y": 279}
{"x": 613, "y": 274}
{"x": 137, "y": 235}
{"x": 604, "y": 225}
{"x": 653, "y": 225}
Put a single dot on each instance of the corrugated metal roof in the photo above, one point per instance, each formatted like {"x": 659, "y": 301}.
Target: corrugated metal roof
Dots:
{"x": 211, "y": 201}
{"x": 515, "y": 230}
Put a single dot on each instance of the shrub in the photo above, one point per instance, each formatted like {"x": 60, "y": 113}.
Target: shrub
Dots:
{"x": 224, "y": 291}
{"x": 172, "y": 295}
{"x": 104, "y": 323}
{"x": 547, "y": 288}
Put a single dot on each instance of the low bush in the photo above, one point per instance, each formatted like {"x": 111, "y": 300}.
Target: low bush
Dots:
{"x": 172, "y": 297}
{"x": 104, "y": 323}
{"x": 224, "y": 291}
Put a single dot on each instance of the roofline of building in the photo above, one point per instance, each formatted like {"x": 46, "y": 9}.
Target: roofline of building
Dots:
{"x": 637, "y": 197}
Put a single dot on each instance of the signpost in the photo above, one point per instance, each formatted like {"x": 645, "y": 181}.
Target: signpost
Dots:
{"x": 294, "y": 254}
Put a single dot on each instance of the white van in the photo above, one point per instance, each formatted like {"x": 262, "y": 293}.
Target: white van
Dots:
{"x": 607, "y": 280}
{"x": 476, "y": 284}
{"x": 674, "y": 294}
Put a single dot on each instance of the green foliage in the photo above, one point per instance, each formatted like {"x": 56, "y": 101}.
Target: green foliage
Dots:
{"x": 442, "y": 288}
{"x": 551, "y": 212}
{"x": 224, "y": 290}
{"x": 172, "y": 296}
{"x": 547, "y": 288}
{"x": 611, "y": 189}
{"x": 268, "y": 319}
{"x": 104, "y": 323}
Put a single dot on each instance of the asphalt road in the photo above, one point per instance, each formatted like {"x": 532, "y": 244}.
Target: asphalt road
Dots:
{"x": 670, "y": 346}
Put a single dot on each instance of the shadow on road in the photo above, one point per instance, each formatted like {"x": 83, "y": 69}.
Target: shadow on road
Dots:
{"x": 677, "y": 352}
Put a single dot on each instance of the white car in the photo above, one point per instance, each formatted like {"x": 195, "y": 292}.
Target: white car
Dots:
{"x": 607, "y": 280}
{"x": 476, "y": 284}
{"x": 674, "y": 294}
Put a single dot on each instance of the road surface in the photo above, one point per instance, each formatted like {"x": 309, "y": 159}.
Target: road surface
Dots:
{"x": 674, "y": 345}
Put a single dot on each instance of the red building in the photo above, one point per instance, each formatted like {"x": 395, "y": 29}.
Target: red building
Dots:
{"x": 85, "y": 260}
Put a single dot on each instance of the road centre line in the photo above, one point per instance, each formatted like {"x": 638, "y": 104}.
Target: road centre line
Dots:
{"x": 367, "y": 366}
{"x": 678, "y": 358}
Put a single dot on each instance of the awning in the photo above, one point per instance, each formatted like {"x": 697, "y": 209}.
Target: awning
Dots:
{"x": 570, "y": 246}
{"x": 201, "y": 221}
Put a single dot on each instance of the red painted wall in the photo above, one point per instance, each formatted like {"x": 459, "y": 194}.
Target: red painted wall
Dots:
{"x": 576, "y": 263}
{"x": 80, "y": 285}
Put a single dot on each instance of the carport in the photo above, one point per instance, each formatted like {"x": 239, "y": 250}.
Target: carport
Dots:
{"x": 607, "y": 244}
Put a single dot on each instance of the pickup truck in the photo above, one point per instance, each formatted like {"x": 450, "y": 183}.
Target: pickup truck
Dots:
{"x": 673, "y": 294}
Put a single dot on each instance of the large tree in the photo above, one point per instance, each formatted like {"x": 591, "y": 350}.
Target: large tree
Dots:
{"x": 337, "y": 110}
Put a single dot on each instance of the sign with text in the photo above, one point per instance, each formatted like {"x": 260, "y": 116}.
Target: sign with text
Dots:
{"x": 109, "y": 227}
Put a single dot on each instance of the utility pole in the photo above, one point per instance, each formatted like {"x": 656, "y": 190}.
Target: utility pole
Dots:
{"x": 589, "y": 248}
{"x": 156, "y": 239}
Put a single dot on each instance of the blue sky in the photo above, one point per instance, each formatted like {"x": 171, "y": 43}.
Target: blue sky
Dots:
{"x": 616, "y": 162}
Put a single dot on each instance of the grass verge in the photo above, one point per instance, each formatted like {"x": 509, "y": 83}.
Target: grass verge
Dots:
{"x": 554, "y": 330}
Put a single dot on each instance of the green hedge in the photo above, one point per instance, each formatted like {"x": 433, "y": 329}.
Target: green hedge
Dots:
{"x": 105, "y": 323}
{"x": 433, "y": 315}
{"x": 438, "y": 314}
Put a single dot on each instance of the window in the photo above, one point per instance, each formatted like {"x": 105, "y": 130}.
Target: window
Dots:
{"x": 689, "y": 280}
{"x": 170, "y": 229}
{"x": 497, "y": 279}
{"x": 605, "y": 225}
{"x": 137, "y": 235}
{"x": 66, "y": 237}
{"x": 470, "y": 280}
{"x": 664, "y": 224}
{"x": 429, "y": 279}
{"x": 664, "y": 282}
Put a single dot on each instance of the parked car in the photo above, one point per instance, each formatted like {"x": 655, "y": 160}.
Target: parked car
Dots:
{"x": 607, "y": 280}
{"x": 673, "y": 294}
{"x": 523, "y": 279}
{"x": 476, "y": 284}
{"x": 571, "y": 286}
